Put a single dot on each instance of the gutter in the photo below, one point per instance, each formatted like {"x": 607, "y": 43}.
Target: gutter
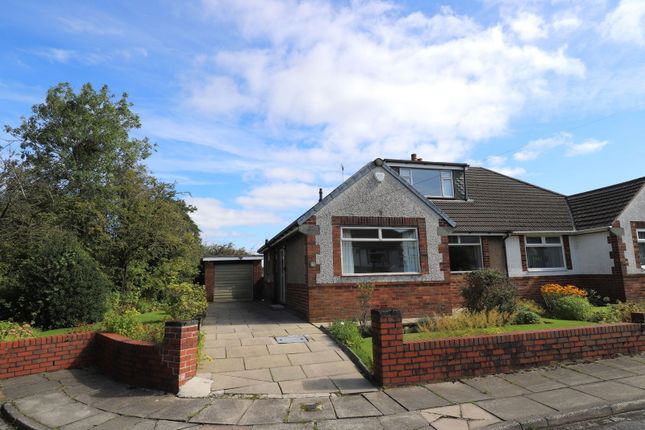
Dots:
{"x": 285, "y": 233}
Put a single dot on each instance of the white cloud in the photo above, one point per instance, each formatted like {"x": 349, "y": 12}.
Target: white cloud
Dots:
{"x": 536, "y": 148}
{"x": 626, "y": 23}
{"x": 587, "y": 147}
{"x": 280, "y": 196}
{"x": 528, "y": 27}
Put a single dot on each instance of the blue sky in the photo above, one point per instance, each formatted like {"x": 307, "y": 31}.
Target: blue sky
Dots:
{"x": 256, "y": 104}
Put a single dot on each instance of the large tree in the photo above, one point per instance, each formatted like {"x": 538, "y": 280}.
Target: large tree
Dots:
{"x": 80, "y": 170}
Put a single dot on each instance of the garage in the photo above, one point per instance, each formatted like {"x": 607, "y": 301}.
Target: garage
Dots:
{"x": 232, "y": 279}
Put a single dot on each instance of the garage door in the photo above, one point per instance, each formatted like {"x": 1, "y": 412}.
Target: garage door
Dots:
{"x": 233, "y": 282}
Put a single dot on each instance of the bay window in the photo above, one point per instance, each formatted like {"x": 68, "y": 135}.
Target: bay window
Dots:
{"x": 465, "y": 253}
{"x": 544, "y": 253}
{"x": 377, "y": 250}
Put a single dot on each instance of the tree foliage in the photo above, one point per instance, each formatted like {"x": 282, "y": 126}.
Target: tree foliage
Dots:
{"x": 79, "y": 170}
{"x": 223, "y": 249}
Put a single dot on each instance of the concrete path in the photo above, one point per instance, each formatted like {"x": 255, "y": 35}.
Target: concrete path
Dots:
{"x": 244, "y": 357}
{"x": 81, "y": 399}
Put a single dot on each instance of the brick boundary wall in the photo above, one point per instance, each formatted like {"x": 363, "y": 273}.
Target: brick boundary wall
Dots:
{"x": 400, "y": 363}
{"x": 166, "y": 366}
{"x": 46, "y": 354}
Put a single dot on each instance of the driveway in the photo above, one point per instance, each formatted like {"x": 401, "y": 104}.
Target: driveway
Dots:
{"x": 243, "y": 355}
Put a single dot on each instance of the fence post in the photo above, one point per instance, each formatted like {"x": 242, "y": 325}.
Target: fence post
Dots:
{"x": 387, "y": 344}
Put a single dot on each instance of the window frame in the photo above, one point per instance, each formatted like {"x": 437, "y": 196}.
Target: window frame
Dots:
{"x": 481, "y": 250}
{"x": 445, "y": 175}
{"x": 638, "y": 245}
{"x": 379, "y": 239}
{"x": 543, "y": 244}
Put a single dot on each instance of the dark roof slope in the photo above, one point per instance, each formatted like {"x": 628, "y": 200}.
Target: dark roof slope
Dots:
{"x": 599, "y": 208}
{"x": 498, "y": 203}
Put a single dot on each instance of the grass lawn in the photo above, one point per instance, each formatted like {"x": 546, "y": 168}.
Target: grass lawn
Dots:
{"x": 147, "y": 318}
{"x": 364, "y": 349}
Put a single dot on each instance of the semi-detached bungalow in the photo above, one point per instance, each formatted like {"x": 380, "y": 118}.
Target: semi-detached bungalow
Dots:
{"x": 412, "y": 228}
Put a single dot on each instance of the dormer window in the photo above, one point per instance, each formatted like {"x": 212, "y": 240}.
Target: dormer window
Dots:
{"x": 430, "y": 182}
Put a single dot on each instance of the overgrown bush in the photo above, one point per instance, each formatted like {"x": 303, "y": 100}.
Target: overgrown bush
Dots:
{"x": 126, "y": 322}
{"x": 58, "y": 285}
{"x": 465, "y": 320}
{"x": 365, "y": 293}
{"x": 347, "y": 332}
{"x": 621, "y": 312}
{"x": 571, "y": 308}
{"x": 530, "y": 306}
{"x": 525, "y": 316}
{"x": 552, "y": 292}
{"x": 488, "y": 290}
{"x": 596, "y": 299}
{"x": 12, "y": 331}
{"x": 185, "y": 301}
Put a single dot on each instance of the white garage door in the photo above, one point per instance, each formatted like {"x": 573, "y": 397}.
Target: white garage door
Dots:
{"x": 233, "y": 282}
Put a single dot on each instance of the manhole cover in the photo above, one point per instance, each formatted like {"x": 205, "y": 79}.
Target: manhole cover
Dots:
{"x": 291, "y": 339}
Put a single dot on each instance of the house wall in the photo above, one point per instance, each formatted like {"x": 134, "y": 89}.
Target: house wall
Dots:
{"x": 634, "y": 212}
{"x": 295, "y": 255}
{"x": 369, "y": 198}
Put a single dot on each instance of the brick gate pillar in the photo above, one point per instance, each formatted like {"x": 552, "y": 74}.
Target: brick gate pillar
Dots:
{"x": 387, "y": 344}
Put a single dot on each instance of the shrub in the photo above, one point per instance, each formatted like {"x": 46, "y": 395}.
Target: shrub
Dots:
{"x": 530, "y": 306}
{"x": 185, "y": 301}
{"x": 365, "y": 292}
{"x": 596, "y": 299}
{"x": 465, "y": 320}
{"x": 525, "y": 316}
{"x": 551, "y": 292}
{"x": 12, "y": 331}
{"x": 346, "y": 331}
{"x": 126, "y": 323}
{"x": 571, "y": 308}
{"x": 58, "y": 285}
{"x": 622, "y": 312}
{"x": 487, "y": 290}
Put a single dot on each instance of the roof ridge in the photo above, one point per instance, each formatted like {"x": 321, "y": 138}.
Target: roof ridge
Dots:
{"x": 520, "y": 181}
{"x": 606, "y": 187}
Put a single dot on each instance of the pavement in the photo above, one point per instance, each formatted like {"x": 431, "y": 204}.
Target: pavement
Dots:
{"x": 244, "y": 357}
{"x": 83, "y": 399}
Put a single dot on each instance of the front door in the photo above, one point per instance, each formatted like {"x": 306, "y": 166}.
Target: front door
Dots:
{"x": 497, "y": 253}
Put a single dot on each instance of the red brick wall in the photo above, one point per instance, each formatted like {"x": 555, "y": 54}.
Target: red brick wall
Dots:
{"x": 298, "y": 299}
{"x": 209, "y": 279}
{"x": 399, "y": 363}
{"x": 606, "y": 285}
{"x": 328, "y": 302}
{"x": 635, "y": 287}
{"x": 166, "y": 366}
{"x": 46, "y": 354}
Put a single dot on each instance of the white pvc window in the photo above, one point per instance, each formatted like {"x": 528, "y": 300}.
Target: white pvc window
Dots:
{"x": 465, "y": 253}
{"x": 379, "y": 250}
{"x": 640, "y": 239}
{"x": 544, "y": 253}
{"x": 430, "y": 182}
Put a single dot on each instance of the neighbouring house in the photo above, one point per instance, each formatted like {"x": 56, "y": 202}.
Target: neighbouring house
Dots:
{"x": 413, "y": 228}
{"x": 232, "y": 278}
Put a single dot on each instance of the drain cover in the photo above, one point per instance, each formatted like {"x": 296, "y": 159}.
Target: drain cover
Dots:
{"x": 291, "y": 339}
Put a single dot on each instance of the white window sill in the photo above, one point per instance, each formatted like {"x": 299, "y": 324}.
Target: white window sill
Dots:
{"x": 549, "y": 269}
{"x": 464, "y": 271}
{"x": 358, "y": 275}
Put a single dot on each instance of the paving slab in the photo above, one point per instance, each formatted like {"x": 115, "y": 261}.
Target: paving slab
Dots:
{"x": 90, "y": 422}
{"x": 17, "y": 391}
{"x": 311, "y": 409}
{"x": 495, "y": 386}
{"x": 262, "y": 388}
{"x": 246, "y": 351}
{"x": 223, "y": 411}
{"x": 352, "y": 383}
{"x": 533, "y": 381}
{"x": 197, "y": 386}
{"x": 308, "y": 386}
{"x": 282, "y": 426}
{"x": 351, "y": 424}
{"x": 353, "y": 407}
{"x": 403, "y": 421}
{"x": 288, "y": 348}
{"x": 568, "y": 377}
{"x": 626, "y": 363}
{"x": 566, "y": 399}
{"x": 173, "y": 425}
{"x": 266, "y": 362}
{"x": 612, "y": 391}
{"x": 457, "y": 392}
{"x": 180, "y": 409}
{"x": 266, "y": 411}
{"x": 223, "y": 365}
{"x": 145, "y": 407}
{"x": 213, "y": 353}
{"x": 24, "y": 380}
{"x": 384, "y": 403}
{"x": 450, "y": 424}
{"x": 415, "y": 398}
{"x": 288, "y": 373}
{"x": 318, "y": 346}
{"x": 42, "y": 402}
{"x": 121, "y": 423}
{"x": 225, "y": 382}
{"x": 328, "y": 369}
{"x": 514, "y": 408}
{"x": 257, "y": 374}
{"x": 266, "y": 340}
{"x": 635, "y": 381}
{"x": 314, "y": 357}
{"x": 600, "y": 371}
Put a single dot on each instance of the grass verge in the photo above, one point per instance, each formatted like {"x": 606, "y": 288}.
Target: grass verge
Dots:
{"x": 145, "y": 318}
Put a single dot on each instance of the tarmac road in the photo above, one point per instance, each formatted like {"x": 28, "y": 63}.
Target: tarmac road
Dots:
{"x": 628, "y": 421}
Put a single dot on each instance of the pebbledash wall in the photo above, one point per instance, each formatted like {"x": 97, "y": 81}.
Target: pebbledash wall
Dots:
{"x": 401, "y": 363}
{"x": 166, "y": 366}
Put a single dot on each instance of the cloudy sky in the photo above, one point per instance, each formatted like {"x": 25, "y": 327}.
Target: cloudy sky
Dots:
{"x": 256, "y": 104}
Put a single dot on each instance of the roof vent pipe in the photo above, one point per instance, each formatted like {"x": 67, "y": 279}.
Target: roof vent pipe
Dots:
{"x": 413, "y": 157}
{"x": 320, "y": 194}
